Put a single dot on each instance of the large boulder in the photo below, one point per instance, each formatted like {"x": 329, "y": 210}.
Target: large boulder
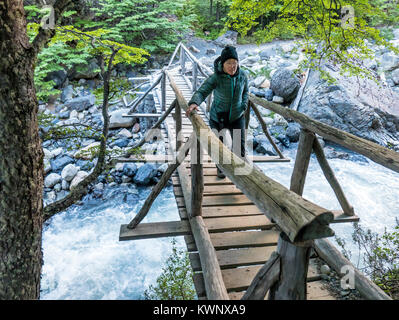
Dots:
{"x": 358, "y": 106}
{"x": 285, "y": 84}
{"x": 81, "y": 103}
{"x": 145, "y": 174}
{"x": 78, "y": 178}
{"x": 60, "y": 162}
{"x": 51, "y": 180}
{"x": 58, "y": 77}
{"x": 118, "y": 121}
{"x": 227, "y": 39}
{"x": 69, "y": 172}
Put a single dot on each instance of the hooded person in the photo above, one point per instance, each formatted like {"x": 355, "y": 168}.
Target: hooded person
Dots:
{"x": 230, "y": 99}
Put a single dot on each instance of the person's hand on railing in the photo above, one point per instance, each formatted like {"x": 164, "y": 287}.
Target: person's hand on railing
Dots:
{"x": 190, "y": 109}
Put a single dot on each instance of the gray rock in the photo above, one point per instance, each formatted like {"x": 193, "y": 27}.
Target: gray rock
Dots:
{"x": 278, "y": 99}
{"x": 293, "y": 131}
{"x": 129, "y": 169}
{"x": 389, "y": 61}
{"x": 67, "y": 93}
{"x": 64, "y": 185}
{"x": 69, "y": 172}
{"x": 395, "y": 76}
{"x": 118, "y": 121}
{"x": 88, "y": 71}
{"x": 57, "y": 187}
{"x": 263, "y": 146}
{"x": 51, "y": 180}
{"x": 145, "y": 173}
{"x": 58, "y": 77}
{"x": 211, "y": 52}
{"x": 269, "y": 94}
{"x": 81, "y": 103}
{"x": 325, "y": 269}
{"x": 227, "y": 39}
{"x": 357, "y": 106}
{"x": 78, "y": 178}
{"x": 285, "y": 84}
{"x": 259, "y": 80}
{"x": 124, "y": 133}
{"x": 58, "y": 164}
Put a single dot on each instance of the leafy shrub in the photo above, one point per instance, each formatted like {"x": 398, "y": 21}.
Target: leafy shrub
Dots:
{"x": 175, "y": 281}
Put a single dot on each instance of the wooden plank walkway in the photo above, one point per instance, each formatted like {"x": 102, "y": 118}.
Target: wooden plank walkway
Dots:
{"x": 242, "y": 236}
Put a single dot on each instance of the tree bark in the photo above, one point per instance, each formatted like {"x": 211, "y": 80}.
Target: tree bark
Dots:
{"x": 21, "y": 161}
{"x": 21, "y": 155}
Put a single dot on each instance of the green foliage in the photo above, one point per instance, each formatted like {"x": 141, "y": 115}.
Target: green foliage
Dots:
{"x": 149, "y": 24}
{"x": 72, "y": 47}
{"x": 318, "y": 25}
{"x": 209, "y": 16}
{"x": 380, "y": 256}
{"x": 175, "y": 282}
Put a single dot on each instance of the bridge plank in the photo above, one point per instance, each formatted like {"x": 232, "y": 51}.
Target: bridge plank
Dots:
{"x": 236, "y": 258}
{"x": 220, "y": 200}
{"x": 155, "y": 230}
{"x": 229, "y": 240}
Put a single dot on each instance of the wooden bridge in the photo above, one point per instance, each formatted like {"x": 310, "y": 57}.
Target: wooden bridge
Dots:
{"x": 248, "y": 236}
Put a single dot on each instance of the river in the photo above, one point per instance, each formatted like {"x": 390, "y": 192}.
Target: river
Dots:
{"x": 83, "y": 258}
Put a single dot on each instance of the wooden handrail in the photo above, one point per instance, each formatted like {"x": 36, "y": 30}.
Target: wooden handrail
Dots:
{"x": 298, "y": 218}
{"x": 379, "y": 154}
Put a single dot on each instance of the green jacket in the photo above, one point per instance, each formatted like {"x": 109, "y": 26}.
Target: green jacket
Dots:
{"x": 230, "y": 93}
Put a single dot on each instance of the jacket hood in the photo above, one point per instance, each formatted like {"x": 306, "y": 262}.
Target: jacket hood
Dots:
{"x": 218, "y": 68}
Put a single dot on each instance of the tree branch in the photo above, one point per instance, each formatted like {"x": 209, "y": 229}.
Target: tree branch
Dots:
{"x": 82, "y": 188}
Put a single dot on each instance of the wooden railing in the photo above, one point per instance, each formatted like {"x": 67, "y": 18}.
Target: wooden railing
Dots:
{"x": 303, "y": 223}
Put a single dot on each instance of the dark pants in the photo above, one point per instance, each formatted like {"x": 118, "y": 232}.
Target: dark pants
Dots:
{"x": 238, "y": 138}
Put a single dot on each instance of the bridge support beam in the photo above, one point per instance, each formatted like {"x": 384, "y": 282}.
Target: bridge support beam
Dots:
{"x": 294, "y": 262}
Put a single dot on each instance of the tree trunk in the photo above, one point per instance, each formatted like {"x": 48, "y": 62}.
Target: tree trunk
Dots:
{"x": 21, "y": 161}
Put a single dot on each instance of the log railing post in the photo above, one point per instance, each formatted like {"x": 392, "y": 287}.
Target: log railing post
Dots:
{"x": 182, "y": 60}
{"x": 163, "y": 91}
{"x": 178, "y": 122}
{"x": 302, "y": 161}
{"x": 197, "y": 180}
{"x": 294, "y": 262}
{"x": 332, "y": 180}
{"x": 195, "y": 76}
{"x": 264, "y": 128}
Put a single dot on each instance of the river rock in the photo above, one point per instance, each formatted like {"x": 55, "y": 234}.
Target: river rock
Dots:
{"x": 81, "y": 103}
{"x": 227, "y": 39}
{"x": 285, "y": 84}
{"x": 67, "y": 93}
{"x": 87, "y": 153}
{"x": 59, "y": 163}
{"x": 278, "y": 99}
{"x": 124, "y": 133}
{"x": 78, "y": 178}
{"x": 395, "y": 76}
{"x": 69, "y": 172}
{"x": 118, "y": 121}
{"x": 293, "y": 131}
{"x": 129, "y": 169}
{"x": 51, "y": 180}
{"x": 145, "y": 173}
